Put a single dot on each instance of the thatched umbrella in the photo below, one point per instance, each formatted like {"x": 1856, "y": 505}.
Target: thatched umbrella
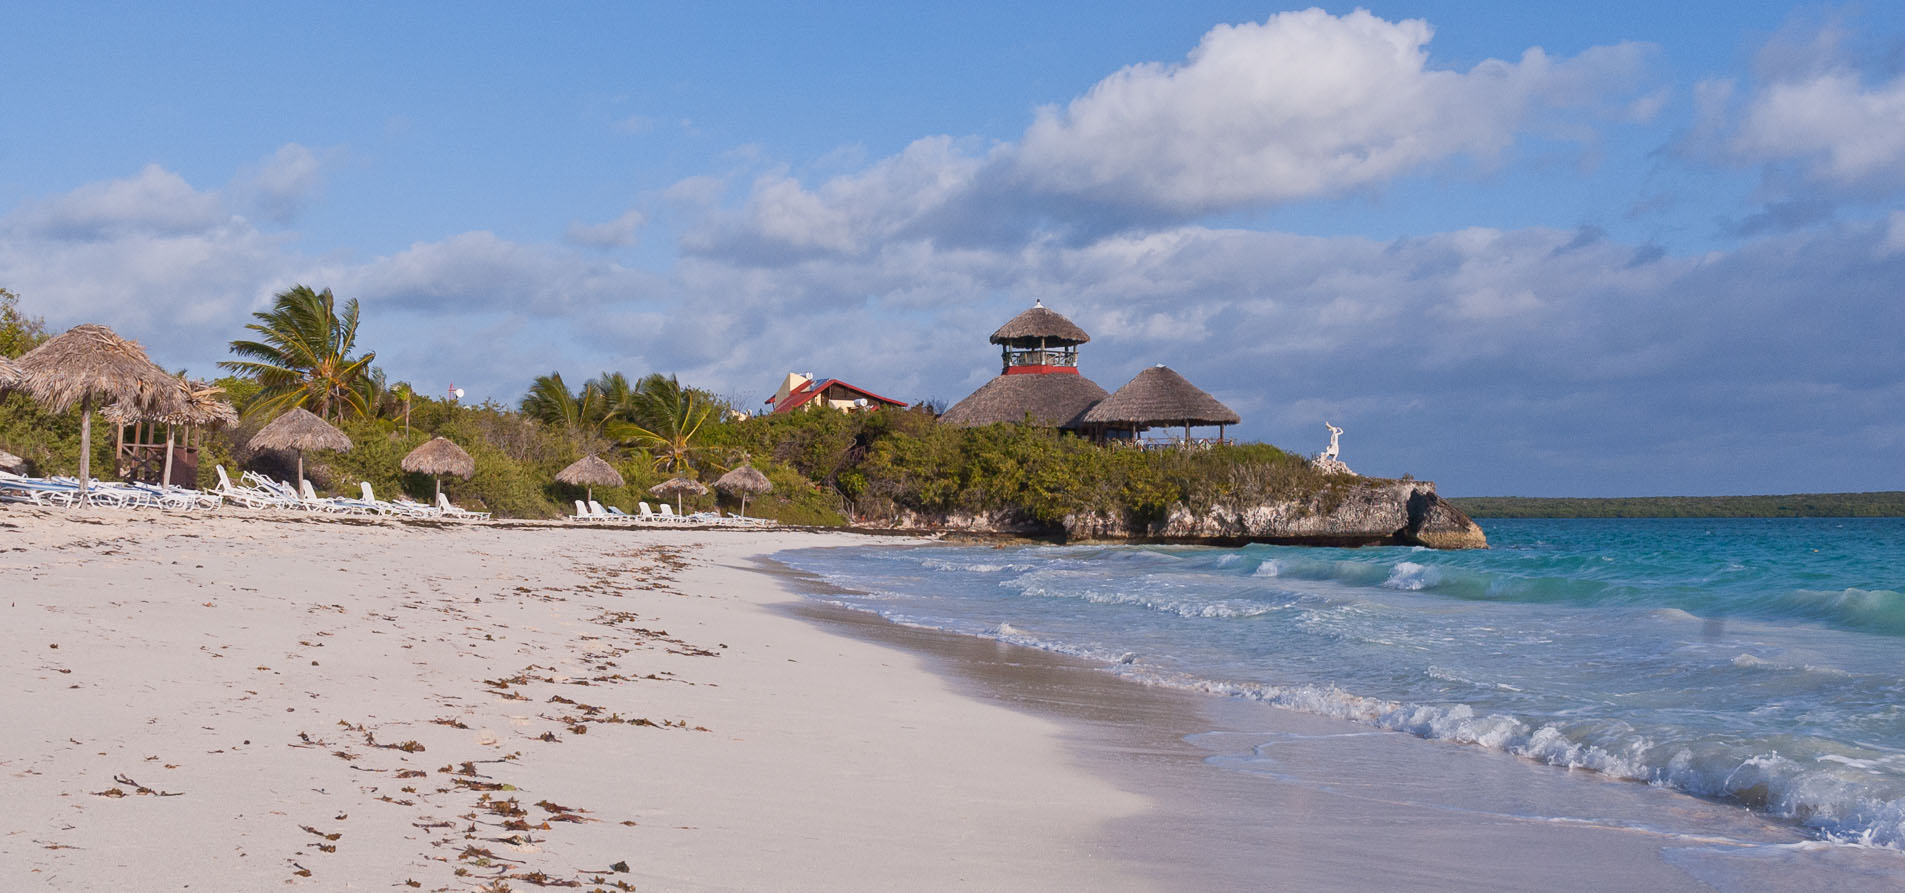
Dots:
{"x": 590, "y": 472}
{"x": 89, "y": 363}
{"x": 744, "y": 480}
{"x": 299, "y": 430}
{"x": 9, "y": 461}
{"x": 440, "y": 457}
{"x": 678, "y": 486}
{"x": 1159, "y": 397}
{"x": 10, "y": 374}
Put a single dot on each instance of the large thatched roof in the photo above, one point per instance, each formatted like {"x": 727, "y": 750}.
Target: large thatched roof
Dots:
{"x": 440, "y": 456}
{"x": 90, "y": 361}
{"x": 1159, "y": 397}
{"x": 1027, "y": 328}
{"x": 679, "y": 485}
{"x": 745, "y": 479}
{"x": 590, "y": 471}
{"x": 299, "y": 430}
{"x": 1055, "y": 401}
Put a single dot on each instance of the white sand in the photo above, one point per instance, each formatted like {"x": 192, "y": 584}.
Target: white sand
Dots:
{"x": 266, "y": 672}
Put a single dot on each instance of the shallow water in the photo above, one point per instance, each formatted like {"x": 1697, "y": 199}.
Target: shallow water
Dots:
{"x": 1757, "y": 662}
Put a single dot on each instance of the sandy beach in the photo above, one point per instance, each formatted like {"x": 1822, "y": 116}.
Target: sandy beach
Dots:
{"x": 244, "y": 701}
{"x": 237, "y": 703}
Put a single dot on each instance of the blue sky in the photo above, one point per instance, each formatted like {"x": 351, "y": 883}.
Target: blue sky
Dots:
{"x": 1600, "y": 249}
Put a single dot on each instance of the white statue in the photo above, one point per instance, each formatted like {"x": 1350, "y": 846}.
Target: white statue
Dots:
{"x": 1335, "y": 433}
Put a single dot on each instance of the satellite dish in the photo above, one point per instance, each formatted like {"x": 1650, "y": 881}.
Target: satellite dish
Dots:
{"x": 458, "y": 392}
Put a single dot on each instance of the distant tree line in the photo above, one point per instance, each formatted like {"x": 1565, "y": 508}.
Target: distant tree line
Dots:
{"x": 1883, "y": 504}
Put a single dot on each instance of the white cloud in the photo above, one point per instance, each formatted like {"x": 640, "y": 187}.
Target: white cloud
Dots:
{"x": 1305, "y": 104}
{"x": 278, "y": 187}
{"x": 1846, "y": 132}
{"x": 615, "y": 233}
{"x": 154, "y": 202}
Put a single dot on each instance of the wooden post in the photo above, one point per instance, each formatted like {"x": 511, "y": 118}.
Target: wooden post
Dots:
{"x": 165, "y": 480}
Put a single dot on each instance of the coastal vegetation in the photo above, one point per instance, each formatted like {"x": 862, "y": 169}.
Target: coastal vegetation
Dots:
{"x": 825, "y": 467}
{"x": 1885, "y": 504}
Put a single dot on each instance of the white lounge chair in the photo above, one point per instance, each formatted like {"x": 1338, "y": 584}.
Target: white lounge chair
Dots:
{"x": 249, "y": 497}
{"x": 450, "y": 511}
{"x": 581, "y": 512}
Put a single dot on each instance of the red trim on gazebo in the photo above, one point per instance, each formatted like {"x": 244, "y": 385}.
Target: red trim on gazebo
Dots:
{"x": 1041, "y": 370}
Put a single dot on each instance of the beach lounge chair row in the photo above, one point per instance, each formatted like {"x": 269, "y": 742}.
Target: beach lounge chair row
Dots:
{"x": 63, "y": 492}
{"x": 261, "y": 492}
{"x": 591, "y": 511}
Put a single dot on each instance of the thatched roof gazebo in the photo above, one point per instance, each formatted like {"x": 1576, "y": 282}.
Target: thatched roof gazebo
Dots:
{"x": 1051, "y": 401}
{"x": 590, "y": 472}
{"x": 1159, "y": 398}
{"x": 439, "y": 457}
{"x": 1039, "y": 378}
{"x": 199, "y": 404}
{"x": 298, "y": 429}
{"x": 744, "y": 480}
{"x": 679, "y": 486}
{"x": 89, "y": 364}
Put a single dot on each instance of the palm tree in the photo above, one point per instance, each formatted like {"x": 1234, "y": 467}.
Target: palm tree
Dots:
{"x": 303, "y": 355}
{"x": 666, "y": 419}
{"x": 550, "y": 402}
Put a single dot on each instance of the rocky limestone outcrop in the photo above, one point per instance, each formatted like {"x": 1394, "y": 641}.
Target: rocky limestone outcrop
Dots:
{"x": 1363, "y": 513}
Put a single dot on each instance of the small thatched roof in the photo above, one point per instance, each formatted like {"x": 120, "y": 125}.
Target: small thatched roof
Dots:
{"x": 9, "y": 460}
{"x": 196, "y": 403}
{"x": 1159, "y": 397}
{"x": 1055, "y": 401}
{"x": 1027, "y": 328}
{"x": 90, "y": 361}
{"x": 298, "y": 429}
{"x": 745, "y": 479}
{"x": 679, "y": 485}
{"x": 590, "y": 471}
{"x": 440, "y": 456}
{"x": 10, "y": 374}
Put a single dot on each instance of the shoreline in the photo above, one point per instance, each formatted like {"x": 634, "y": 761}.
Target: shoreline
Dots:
{"x": 467, "y": 703}
{"x": 1362, "y": 807}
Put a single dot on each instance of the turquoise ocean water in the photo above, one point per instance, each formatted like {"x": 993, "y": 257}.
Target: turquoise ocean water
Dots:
{"x": 1756, "y": 662}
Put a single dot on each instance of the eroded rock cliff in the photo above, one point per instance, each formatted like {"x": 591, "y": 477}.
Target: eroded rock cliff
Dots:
{"x": 1357, "y": 512}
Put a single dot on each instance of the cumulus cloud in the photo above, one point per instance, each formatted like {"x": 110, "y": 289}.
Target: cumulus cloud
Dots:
{"x": 153, "y": 202}
{"x": 1304, "y": 104}
{"x": 1844, "y": 131}
{"x": 1300, "y": 106}
{"x": 616, "y": 233}
{"x": 279, "y": 187}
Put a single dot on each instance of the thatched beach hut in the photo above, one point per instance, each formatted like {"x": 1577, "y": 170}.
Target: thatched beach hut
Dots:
{"x": 1039, "y": 377}
{"x": 199, "y": 405}
{"x": 1159, "y": 398}
{"x": 298, "y": 429}
{"x": 590, "y": 472}
{"x": 744, "y": 480}
{"x": 437, "y": 458}
{"x": 88, "y": 365}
